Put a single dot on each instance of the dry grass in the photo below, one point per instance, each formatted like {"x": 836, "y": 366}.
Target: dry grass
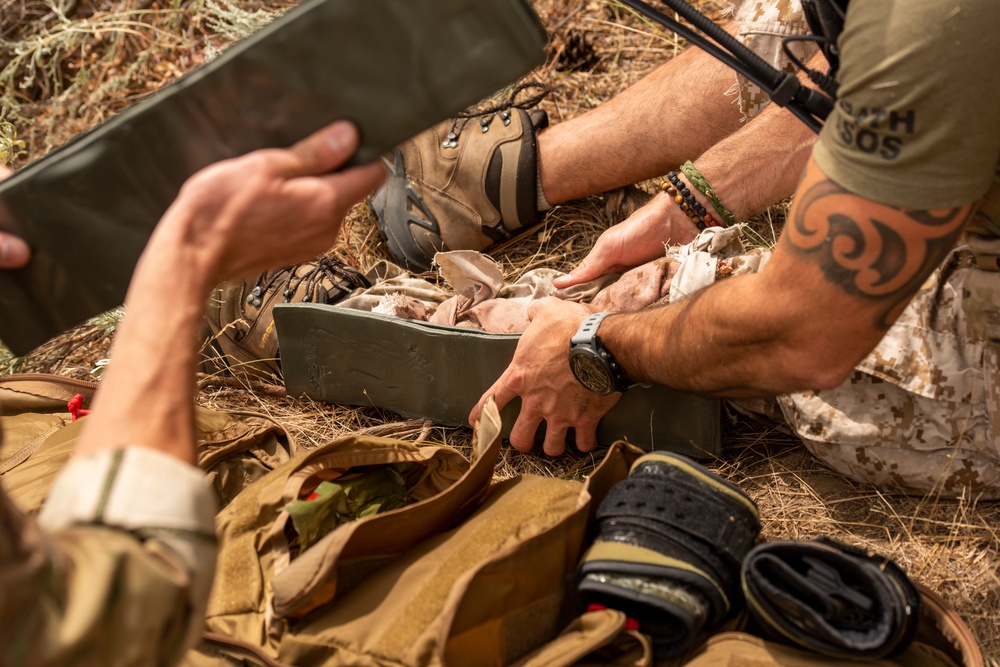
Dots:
{"x": 91, "y": 58}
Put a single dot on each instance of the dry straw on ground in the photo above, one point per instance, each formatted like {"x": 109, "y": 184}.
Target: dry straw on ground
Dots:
{"x": 68, "y": 64}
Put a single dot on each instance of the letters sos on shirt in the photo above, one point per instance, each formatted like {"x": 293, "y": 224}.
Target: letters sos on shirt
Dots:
{"x": 875, "y": 131}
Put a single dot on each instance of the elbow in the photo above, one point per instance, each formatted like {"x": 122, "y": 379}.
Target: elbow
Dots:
{"x": 813, "y": 369}
{"x": 824, "y": 356}
{"x": 830, "y": 378}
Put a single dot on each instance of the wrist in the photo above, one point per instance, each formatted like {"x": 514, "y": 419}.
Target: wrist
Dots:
{"x": 701, "y": 199}
{"x": 592, "y": 363}
{"x": 684, "y": 196}
{"x": 178, "y": 253}
{"x": 675, "y": 228}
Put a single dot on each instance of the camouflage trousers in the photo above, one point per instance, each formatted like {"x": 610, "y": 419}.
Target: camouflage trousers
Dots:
{"x": 921, "y": 413}
{"x": 762, "y": 26}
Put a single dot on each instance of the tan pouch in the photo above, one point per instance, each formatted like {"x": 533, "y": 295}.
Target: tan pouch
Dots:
{"x": 981, "y": 291}
{"x": 260, "y": 589}
{"x": 595, "y": 638}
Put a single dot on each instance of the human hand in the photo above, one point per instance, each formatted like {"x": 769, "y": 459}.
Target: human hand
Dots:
{"x": 634, "y": 241}
{"x": 14, "y": 252}
{"x": 272, "y": 207}
{"x": 540, "y": 375}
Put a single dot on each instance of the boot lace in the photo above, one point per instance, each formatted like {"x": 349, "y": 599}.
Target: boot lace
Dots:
{"x": 344, "y": 279}
{"x": 501, "y": 110}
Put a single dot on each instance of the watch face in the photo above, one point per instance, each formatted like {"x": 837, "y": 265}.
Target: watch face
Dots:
{"x": 591, "y": 372}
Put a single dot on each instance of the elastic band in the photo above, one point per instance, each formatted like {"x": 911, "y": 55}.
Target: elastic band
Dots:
{"x": 698, "y": 181}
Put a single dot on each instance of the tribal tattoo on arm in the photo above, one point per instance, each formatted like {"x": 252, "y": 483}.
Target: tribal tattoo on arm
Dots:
{"x": 872, "y": 251}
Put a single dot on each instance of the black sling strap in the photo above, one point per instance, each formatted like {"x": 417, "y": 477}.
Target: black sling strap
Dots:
{"x": 825, "y": 18}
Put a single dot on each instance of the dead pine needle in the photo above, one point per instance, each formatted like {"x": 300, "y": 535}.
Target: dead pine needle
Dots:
{"x": 90, "y": 60}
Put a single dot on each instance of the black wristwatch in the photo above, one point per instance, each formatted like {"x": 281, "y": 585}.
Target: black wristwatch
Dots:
{"x": 592, "y": 364}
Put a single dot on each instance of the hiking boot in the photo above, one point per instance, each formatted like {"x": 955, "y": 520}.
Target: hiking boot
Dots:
{"x": 465, "y": 184}
{"x": 240, "y": 318}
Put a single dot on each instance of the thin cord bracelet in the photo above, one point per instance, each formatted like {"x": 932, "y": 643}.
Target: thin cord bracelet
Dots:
{"x": 698, "y": 181}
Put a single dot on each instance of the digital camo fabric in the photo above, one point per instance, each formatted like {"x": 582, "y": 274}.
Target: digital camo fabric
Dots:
{"x": 109, "y": 574}
{"x": 920, "y": 413}
{"x": 981, "y": 301}
{"x": 67, "y": 596}
{"x": 762, "y": 26}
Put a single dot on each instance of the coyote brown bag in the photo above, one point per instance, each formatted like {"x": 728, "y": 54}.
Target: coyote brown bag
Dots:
{"x": 39, "y": 434}
{"x": 467, "y": 573}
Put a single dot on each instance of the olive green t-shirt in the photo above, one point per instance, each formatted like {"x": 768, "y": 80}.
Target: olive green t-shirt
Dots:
{"x": 917, "y": 121}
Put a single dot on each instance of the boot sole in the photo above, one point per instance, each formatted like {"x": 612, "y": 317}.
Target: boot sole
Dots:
{"x": 402, "y": 243}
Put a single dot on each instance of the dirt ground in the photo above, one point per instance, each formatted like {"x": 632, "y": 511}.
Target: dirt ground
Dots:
{"x": 66, "y": 65}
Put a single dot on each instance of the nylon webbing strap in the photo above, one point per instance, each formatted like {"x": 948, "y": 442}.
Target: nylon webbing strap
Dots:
{"x": 677, "y": 507}
{"x": 831, "y": 598}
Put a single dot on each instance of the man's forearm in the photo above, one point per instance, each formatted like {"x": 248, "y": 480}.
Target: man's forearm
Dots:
{"x": 146, "y": 397}
{"x": 129, "y": 474}
{"x": 724, "y": 341}
{"x": 841, "y": 274}
{"x": 233, "y": 219}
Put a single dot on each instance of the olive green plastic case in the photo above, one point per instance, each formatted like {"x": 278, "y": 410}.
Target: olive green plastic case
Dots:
{"x": 435, "y": 372}
{"x": 394, "y": 67}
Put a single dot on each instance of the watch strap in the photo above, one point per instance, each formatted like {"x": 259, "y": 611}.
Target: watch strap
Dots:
{"x": 588, "y": 328}
{"x": 586, "y": 337}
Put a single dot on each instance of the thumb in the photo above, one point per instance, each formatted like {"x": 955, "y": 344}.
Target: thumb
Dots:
{"x": 588, "y": 270}
{"x": 325, "y": 150}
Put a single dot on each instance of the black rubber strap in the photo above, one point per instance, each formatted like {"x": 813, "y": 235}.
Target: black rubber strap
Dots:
{"x": 831, "y": 598}
{"x": 680, "y": 506}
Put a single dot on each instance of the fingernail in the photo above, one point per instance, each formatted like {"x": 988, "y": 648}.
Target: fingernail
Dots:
{"x": 340, "y": 136}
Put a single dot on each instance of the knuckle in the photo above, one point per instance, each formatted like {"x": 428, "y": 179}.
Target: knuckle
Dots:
{"x": 521, "y": 441}
{"x": 512, "y": 380}
{"x": 258, "y": 163}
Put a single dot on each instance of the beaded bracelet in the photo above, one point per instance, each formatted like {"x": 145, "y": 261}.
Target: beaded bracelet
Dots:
{"x": 698, "y": 181}
{"x": 692, "y": 207}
